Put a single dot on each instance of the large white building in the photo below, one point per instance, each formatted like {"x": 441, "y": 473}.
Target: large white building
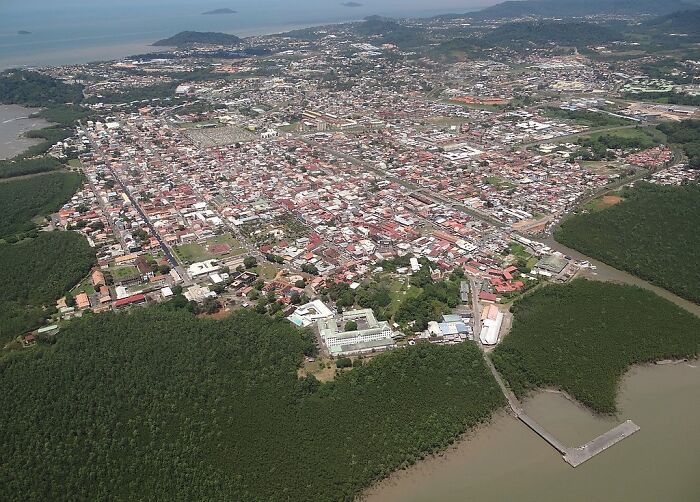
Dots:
{"x": 492, "y": 319}
{"x": 203, "y": 268}
{"x": 370, "y": 336}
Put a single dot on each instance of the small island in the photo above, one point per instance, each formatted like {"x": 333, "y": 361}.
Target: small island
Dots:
{"x": 219, "y": 12}
{"x": 187, "y": 38}
{"x": 351, "y": 4}
{"x": 24, "y": 32}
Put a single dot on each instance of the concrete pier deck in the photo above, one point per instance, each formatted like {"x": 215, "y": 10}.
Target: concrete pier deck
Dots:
{"x": 577, "y": 456}
{"x": 539, "y": 430}
{"x": 573, "y": 456}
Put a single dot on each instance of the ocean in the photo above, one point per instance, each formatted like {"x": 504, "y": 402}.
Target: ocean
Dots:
{"x": 79, "y": 31}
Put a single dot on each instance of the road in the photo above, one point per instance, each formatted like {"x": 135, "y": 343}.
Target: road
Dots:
{"x": 164, "y": 247}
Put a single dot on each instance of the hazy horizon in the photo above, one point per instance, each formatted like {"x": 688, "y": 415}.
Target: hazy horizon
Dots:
{"x": 75, "y": 31}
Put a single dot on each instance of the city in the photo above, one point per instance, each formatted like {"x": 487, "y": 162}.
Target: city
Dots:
{"x": 380, "y": 190}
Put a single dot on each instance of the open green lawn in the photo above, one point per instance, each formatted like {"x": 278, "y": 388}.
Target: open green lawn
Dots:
{"x": 191, "y": 253}
{"x": 194, "y": 252}
{"x": 399, "y": 292}
{"x": 123, "y": 271}
{"x": 85, "y": 286}
{"x": 267, "y": 271}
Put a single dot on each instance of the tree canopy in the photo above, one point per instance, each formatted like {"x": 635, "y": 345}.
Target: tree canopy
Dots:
{"x": 581, "y": 337}
{"x": 37, "y": 272}
{"x": 652, "y": 234}
{"x": 23, "y": 200}
{"x": 157, "y": 404}
{"x": 31, "y": 88}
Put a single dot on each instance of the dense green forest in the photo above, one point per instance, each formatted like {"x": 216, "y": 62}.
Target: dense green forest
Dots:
{"x": 159, "y": 405}
{"x": 652, "y": 234}
{"x": 30, "y": 88}
{"x": 156, "y": 91}
{"x": 673, "y": 98}
{"x": 35, "y": 273}
{"x": 577, "y": 34}
{"x": 23, "y": 200}
{"x": 576, "y": 8}
{"x": 686, "y": 134}
{"x": 583, "y": 336}
{"x": 20, "y": 167}
{"x": 391, "y": 32}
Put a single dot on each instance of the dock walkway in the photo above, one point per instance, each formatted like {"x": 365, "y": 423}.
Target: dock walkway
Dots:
{"x": 572, "y": 456}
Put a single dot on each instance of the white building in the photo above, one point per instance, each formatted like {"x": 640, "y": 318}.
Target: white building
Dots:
{"x": 370, "y": 336}
{"x": 203, "y": 268}
{"x": 492, "y": 319}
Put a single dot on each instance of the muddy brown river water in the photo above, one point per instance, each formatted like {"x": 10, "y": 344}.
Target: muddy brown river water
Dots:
{"x": 505, "y": 461}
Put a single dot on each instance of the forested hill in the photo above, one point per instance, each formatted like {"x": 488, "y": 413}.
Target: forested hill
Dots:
{"x": 687, "y": 22}
{"x": 158, "y": 405}
{"x": 575, "y": 8}
{"x": 185, "y": 38}
{"x": 30, "y": 88}
{"x": 543, "y": 32}
{"x": 523, "y": 35}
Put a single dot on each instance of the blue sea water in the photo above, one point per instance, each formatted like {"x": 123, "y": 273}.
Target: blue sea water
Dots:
{"x": 77, "y": 31}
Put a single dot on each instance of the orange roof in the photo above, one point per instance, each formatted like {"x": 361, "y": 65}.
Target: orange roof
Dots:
{"x": 82, "y": 301}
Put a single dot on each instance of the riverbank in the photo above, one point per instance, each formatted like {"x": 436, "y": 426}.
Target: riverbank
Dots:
{"x": 15, "y": 121}
{"x": 605, "y": 272}
{"x": 506, "y": 461}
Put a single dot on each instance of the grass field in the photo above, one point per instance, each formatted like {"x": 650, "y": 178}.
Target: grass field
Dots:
{"x": 603, "y": 202}
{"x": 122, "y": 272}
{"x": 85, "y": 286}
{"x": 400, "y": 292}
{"x": 266, "y": 271}
{"x": 194, "y": 252}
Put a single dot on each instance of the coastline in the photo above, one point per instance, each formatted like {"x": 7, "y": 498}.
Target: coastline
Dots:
{"x": 109, "y": 52}
{"x": 475, "y": 466}
{"x": 15, "y": 122}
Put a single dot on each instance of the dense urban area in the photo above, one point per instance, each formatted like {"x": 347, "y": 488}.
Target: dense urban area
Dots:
{"x": 299, "y": 262}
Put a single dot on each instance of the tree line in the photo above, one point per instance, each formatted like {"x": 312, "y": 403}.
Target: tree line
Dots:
{"x": 583, "y": 336}
{"x": 651, "y": 234}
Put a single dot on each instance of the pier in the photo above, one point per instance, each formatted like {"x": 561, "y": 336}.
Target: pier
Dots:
{"x": 576, "y": 456}
{"x": 572, "y": 456}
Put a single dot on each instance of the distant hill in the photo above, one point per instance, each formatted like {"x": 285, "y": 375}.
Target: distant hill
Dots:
{"x": 185, "y": 38}
{"x": 687, "y": 21}
{"x": 391, "y": 32}
{"x": 571, "y": 8}
{"x": 576, "y": 34}
{"x": 219, "y": 11}
{"x": 529, "y": 34}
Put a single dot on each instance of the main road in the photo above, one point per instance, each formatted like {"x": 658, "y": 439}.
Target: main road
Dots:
{"x": 164, "y": 247}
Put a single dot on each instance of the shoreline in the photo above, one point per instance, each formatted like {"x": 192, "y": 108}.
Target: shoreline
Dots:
{"x": 15, "y": 122}
{"x": 477, "y": 445}
{"x": 121, "y": 50}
